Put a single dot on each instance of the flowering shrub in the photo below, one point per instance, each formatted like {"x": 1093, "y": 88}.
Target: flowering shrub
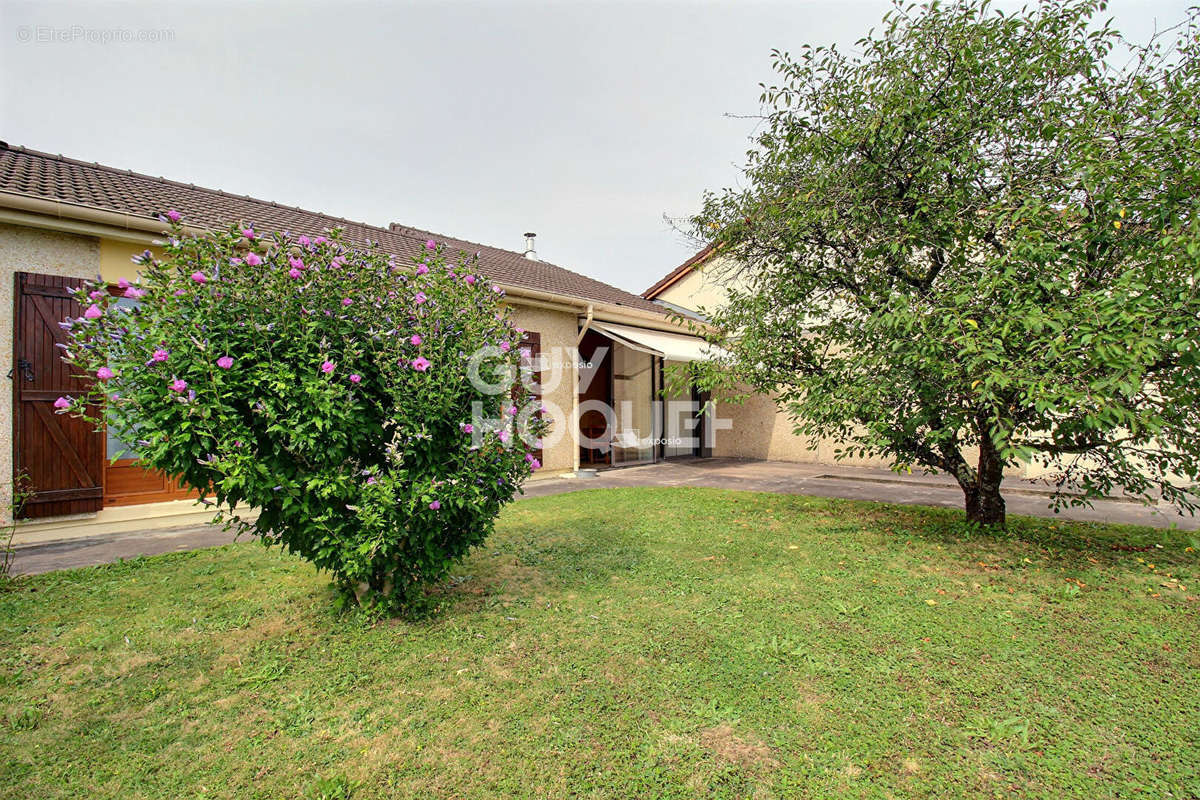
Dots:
{"x": 327, "y": 387}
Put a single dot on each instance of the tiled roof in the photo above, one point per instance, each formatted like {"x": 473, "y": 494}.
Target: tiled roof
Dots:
{"x": 677, "y": 273}
{"x": 54, "y": 177}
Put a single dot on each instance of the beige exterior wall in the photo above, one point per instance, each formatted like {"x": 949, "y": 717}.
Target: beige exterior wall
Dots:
{"x": 25, "y": 249}
{"x": 115, "y": 259}
{"x": 559, "y": 330}
{"x": 760, "y": 429}
{"x": 702, "y": 288}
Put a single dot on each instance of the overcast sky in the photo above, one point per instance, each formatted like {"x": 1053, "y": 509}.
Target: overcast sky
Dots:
{"x": 584, "y": 122}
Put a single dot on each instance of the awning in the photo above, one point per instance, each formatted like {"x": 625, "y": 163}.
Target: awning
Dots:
{"x": 671, "y": 346}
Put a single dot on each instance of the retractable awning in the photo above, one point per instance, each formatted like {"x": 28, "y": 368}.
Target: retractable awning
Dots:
{"x": 671, "y": 346}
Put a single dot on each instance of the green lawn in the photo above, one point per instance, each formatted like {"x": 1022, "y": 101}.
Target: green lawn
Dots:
{"x": 627, "y": 644}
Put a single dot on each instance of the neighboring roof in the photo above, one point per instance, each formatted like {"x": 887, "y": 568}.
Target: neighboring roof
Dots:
{"x": 677, "y": 273}
{"x": 54, "y": 177}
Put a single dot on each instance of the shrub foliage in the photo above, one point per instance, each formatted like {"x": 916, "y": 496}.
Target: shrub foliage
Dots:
{"x": 328, "y": 388}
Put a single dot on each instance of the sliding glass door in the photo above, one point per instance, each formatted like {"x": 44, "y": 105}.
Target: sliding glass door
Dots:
{"x": 632, "y": 396}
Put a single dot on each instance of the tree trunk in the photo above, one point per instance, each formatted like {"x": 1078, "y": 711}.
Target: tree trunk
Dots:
{"x": 983, "y": 501}
{"x": 985, "y": 505}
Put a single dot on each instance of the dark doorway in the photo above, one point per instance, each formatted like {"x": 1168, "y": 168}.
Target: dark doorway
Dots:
{"x": 593, "y": 425}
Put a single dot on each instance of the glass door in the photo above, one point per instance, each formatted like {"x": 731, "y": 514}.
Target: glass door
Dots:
{"x": 632, "y": 393}
{"x": 680, "y": 426}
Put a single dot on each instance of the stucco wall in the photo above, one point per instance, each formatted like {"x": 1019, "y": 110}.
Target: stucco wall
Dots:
{"x": 115, "y": 259}
{"x": 760, "y": 429}
{"x": 46, "y": 253}
{"x": 558, "y": 330}
{"x": 703, "y": 288}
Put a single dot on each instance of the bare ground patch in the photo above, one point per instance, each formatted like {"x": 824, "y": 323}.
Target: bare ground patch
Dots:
{"x": 728, "y": 746}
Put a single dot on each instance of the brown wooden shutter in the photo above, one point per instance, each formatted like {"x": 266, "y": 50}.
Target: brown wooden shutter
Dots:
{"x": 532, "y": 341}
{"x": 59, "y": 459}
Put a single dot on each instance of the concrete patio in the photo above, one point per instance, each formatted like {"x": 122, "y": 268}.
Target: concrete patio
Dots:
{"x": 1022, "y": 497}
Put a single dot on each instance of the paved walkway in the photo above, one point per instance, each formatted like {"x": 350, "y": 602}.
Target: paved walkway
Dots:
{"x": 1022, "y": 497}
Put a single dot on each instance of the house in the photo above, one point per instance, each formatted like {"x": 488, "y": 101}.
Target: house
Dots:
{"x": 601, "y": 351}
{"x": 756, "y": 428}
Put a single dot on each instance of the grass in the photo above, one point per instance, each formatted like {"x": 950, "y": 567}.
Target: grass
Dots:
{"x": 628, "y": 643}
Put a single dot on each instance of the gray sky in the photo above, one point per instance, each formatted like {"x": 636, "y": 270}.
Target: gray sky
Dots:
{"x": 584, "y": 122}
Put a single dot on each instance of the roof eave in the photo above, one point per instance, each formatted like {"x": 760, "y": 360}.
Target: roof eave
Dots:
{"x": 677, "y": 274}
{"x": 91, "y": 221}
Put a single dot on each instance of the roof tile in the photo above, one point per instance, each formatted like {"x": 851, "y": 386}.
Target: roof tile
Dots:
{"x": 55, "y": 177}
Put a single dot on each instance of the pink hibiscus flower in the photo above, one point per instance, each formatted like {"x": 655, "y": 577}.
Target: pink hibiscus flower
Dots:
{"x": 224, "y": 362}
{"x": 420, "y": 364}
{"x": 327, "y": 367}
